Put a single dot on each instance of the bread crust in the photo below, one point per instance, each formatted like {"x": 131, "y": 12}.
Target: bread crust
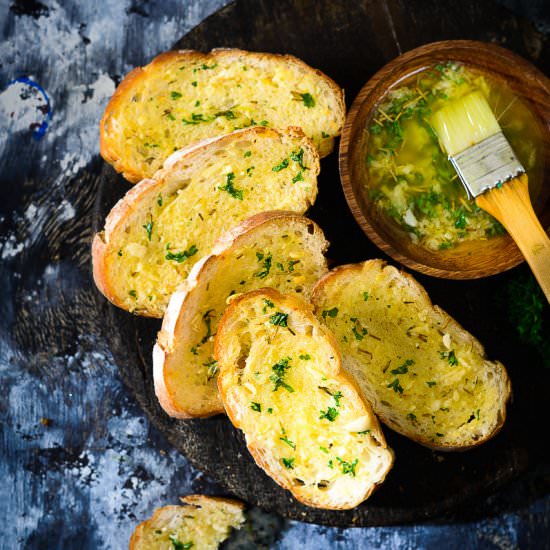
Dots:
{"x": 146, "y": 188}
{"x": 107, "y": 148}
{"x": 174, "y": 322}
{"x": 261, "y": 457}
{"x": 189, "y": 500}
{"x": 408, "y": 279}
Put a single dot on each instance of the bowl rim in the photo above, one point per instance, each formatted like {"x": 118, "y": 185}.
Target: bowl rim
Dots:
{"x": 445, "y": 49}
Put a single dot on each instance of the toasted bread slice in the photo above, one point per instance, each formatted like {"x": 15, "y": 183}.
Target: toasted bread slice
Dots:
{"x": 282, "y": 250}
{"x": 163, "y": 226}
{"x": 202, "y": 523}
{"x": 426, "y": 377}
{"x": 182, "y": 97}
{"x": 305, "y": 420}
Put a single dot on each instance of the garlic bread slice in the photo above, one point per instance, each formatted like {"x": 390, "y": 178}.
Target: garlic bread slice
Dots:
{"x": 282, "y": 250}
{"x": 202, "y": 523}
{"x": 426, "y": 377}
{"x": 305, "y": 420}
{"x": 182, "y": 97}
{"x": 163, "y": 226}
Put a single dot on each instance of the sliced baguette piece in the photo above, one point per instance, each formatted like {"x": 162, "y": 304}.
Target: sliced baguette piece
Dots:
{"x": 182, "y": 97}
{"x": 426, "y": 377}
{"x": 202, "y": 523}
{"x": 282, "y": 250}
{"x": 163, "y": 226}
{"x": 304, "y": 418}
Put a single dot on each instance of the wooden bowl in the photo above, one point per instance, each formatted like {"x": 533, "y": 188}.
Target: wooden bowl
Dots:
{"x": 470, "y": 259}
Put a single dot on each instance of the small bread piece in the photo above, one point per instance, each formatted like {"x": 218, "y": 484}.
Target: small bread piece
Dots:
{"x": 182, "y": 97}
{"x": 426, "y": 377}
{"x": 304, "y": 418}
{"x": 202, "y": 523}
{"x": 281, "y": 250}
{"x": 163, "y": 226}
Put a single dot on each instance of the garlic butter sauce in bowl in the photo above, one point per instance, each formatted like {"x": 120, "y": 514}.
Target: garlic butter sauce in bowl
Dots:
{"x": 399, "y": 184}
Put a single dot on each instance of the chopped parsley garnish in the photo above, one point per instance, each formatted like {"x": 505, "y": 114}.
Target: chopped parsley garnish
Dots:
{"x": 207, "y": 321}
{"x": 348, "y": 467}
{"x": 267, "y": 303}
{"x": 230, "y": 188}
{"x": 197, "y": 103}
{"x": 305, "y": 357}
{"x": 175, "y": 95}
{"x": 330, "y": 464}
{"x": 256, "y": 406}
{"x": 404, "y": 368}
{"x": 330, "y": 312}
{"x": 133, "y": 294}
{"x": 291, "y": 264}
{"x": 365, "y": 296}
{"x": 288, "y": 462}
{"x": 247, "y": 154}
{"x": 330, "y": 414}
{"x": 159, "y": 200}
{"x": 281, "y": 166}
{"x": 229, "y": 115}
{"x": 279, "y": 319}
{"x": 450, "y": 356}
{"x": 249, "y": 171}
{"x": 396, "y": 386}
{"x": 212, "y": 369}
{"x": 180, "y": 545}
{"x": 149, "y": 228}
{"x": 266, "y": 264}
{"x": 324, "y": 449}
{"x": 431, "y": 383}
{"x": 439, "y": 435}
{"x": 194, "y": 350}
{"x": 286, "y": 440}
{"x": 411, "y": 417}
{"x": 120, "y": 252}
{"x": 180, "y": 257}
{"x": 299, "y": 158}
{"x": 298, "y": 177}
{"x": 308, "y": 100}
{"x": 278, "y": 378}
{"x": 270, "y": 410}
{"x": 337, "y": 396}
{"x": 359, "y": 335}
{"x": 194, "y": 83}
{"x": 325, "y": 135}
{"x": 196, "y": 118}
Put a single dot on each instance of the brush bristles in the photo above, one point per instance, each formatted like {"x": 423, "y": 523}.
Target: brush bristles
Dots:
{"x": 464, "y": 122}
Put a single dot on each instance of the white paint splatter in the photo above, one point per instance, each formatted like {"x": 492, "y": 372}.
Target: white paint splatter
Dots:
{"x": 22, "y": 107}
{"x": 66, "y": 211}
{"x": 11, "y": 247}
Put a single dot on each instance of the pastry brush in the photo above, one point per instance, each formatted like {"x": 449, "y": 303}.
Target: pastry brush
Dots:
{"x": 493, "y": 176}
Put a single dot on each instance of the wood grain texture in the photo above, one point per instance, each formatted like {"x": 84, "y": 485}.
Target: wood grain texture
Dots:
{"x": 472, "y": 259}
{"x": 358, "y": 38}
{"x": 512, "y": 207}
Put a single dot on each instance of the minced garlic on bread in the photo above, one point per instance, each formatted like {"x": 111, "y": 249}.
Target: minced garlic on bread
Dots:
{"x": 426, "y": 377}
{"x": 305, "y": 420}
{"x": 282, "y": 250}
{"x": 163, "y": 226}
{"x": 182, "y": 97}
{"x": 202, "y": 523}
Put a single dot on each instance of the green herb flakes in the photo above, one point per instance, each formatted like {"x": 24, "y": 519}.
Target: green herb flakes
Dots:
{"x": 330, "y": 414}
{"x": 256, "y": 406}
{"x": 230, "y": 188}
{"x": 278, "y": 378}
{"x": 281, "y": 166}
{"x": 395, "y": 386}
{"x": 279, "y": 319}
{"x": 175, "y": 95}
{"x": 288, "y": 463}
{"x": 181, "y": 257}
{"x": 404, "y": 368}
{"x": 330, "y": 313}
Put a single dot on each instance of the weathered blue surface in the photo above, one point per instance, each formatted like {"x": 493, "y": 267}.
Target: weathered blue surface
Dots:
{"x": 80, "y": 463}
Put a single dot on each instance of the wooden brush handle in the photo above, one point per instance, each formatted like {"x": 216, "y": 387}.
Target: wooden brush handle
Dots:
{"x": 511, "y": 206}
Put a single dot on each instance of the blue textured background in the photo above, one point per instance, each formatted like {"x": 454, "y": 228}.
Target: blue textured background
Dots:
{"x": 81, "y": 466}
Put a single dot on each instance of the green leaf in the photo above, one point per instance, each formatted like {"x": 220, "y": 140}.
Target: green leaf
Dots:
{"x": 180, "y": 257}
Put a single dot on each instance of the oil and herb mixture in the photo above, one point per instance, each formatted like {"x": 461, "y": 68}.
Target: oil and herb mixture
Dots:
{"x": 410, "y": 178}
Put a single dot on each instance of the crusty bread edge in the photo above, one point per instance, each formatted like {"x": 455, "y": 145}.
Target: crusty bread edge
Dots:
{"x": 257, "y": 453}
{"x": 125, "y": 87}
{"x": 410, "y": 280}
{"x": 173, "y": 318}
{"x": 190, "y": 500}
{"x": 130, "y": 202}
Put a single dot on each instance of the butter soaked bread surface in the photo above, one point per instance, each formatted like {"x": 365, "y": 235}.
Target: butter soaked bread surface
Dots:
{"x": 185, "y": 96}
{"x": 425, "y": 376}
{"x": 163, "y": 226}
{"x": 281, "y": 250}
{"x": 202, "y": 523}
{"x": 305, "y": 421}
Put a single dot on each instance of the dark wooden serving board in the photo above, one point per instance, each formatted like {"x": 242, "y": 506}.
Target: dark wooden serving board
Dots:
{"x": 349, "y": 40}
